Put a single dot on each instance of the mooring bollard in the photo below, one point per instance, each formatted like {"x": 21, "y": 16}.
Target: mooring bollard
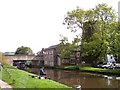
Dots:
{"x": 77, "y": 87}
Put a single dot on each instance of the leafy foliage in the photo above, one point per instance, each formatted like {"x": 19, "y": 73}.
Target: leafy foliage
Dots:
{"x": 99, "y": 31}
{"x": 113, "y": 38}
{"x": 67, "y": 49}
{"x": 24, "y": 51}
{"x": 2, "y": 58}
{"x": 64, "y": 48}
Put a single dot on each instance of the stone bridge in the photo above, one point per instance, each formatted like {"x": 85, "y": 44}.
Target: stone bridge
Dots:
{"x": 34, "y": 58}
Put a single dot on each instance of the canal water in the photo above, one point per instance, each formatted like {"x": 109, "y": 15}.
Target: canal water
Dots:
{"x": 86, "y": 80}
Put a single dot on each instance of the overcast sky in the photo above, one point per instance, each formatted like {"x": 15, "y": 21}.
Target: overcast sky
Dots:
{"x": 38, "y": 23}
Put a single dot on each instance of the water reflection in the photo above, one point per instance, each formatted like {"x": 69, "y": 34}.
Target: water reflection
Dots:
{"x": 86, "y": 80}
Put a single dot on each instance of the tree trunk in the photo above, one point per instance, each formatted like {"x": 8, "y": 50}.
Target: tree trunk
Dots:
{"x": 118, "y": 59}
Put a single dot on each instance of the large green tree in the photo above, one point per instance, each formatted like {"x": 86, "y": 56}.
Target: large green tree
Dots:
{"x": 64, "y": 48}
{"x": 95, "y": 24}
{"x": 67, "y": 49}
{"x": 113, "y": 37}
{"x": 24, "y": 51}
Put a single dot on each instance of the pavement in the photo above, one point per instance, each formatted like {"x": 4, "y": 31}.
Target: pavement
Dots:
{"x": 5, "y": 86}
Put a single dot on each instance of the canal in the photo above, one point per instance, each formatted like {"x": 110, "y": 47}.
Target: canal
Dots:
{"x": 86, "y": 80}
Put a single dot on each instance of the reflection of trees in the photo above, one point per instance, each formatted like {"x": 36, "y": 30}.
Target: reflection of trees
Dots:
{"x": 118, "y": 84}
{"x": 86, "y": 80}
{"x": 61, "y": 74}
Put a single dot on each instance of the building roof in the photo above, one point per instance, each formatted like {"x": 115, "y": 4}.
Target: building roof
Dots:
{"x": 49, "y": 48}
{"x": 52, "y": 47}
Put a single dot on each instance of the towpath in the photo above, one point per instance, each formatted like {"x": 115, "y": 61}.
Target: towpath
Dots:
{"x": 5, "y": 86}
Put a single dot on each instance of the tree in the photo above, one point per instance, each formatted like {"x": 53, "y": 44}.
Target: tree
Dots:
{"x": 94, "y": 24}
{"x": 67, "y": 49}
{"x": 2, "y": 58}
{"x": 64, "y": 48}
{"x": 24, "y": 51}
{"x": 113, "y": 37}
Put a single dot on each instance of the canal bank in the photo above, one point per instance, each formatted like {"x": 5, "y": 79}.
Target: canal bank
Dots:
{"x": 103, "y": 71}
{"x": 4, "y": 85}
{"x": 22, "y": 79}
{"x": 85, "y": 79}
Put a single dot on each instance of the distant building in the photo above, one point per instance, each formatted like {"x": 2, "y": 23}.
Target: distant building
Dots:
{"x": 50, "y": 55}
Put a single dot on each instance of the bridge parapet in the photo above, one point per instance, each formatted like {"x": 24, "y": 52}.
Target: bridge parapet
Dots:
{"x": 10, "y": 58}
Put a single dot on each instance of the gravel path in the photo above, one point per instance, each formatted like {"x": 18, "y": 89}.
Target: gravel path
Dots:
{"x": 5, "y": 86}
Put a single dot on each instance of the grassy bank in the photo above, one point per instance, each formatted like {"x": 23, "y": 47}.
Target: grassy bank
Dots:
{"x": 21, "y": 79}
{"x": 94, "y": 70}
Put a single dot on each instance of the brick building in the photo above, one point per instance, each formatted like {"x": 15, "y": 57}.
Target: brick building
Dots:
{"x": 50, "y": 56}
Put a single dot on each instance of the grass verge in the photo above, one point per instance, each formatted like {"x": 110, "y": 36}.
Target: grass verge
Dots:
{"x": 92, "y": 69}
{"x": 21, "y": 79}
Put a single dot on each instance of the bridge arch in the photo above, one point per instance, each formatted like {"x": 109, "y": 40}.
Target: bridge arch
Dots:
{"x": 10, "y": 58}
